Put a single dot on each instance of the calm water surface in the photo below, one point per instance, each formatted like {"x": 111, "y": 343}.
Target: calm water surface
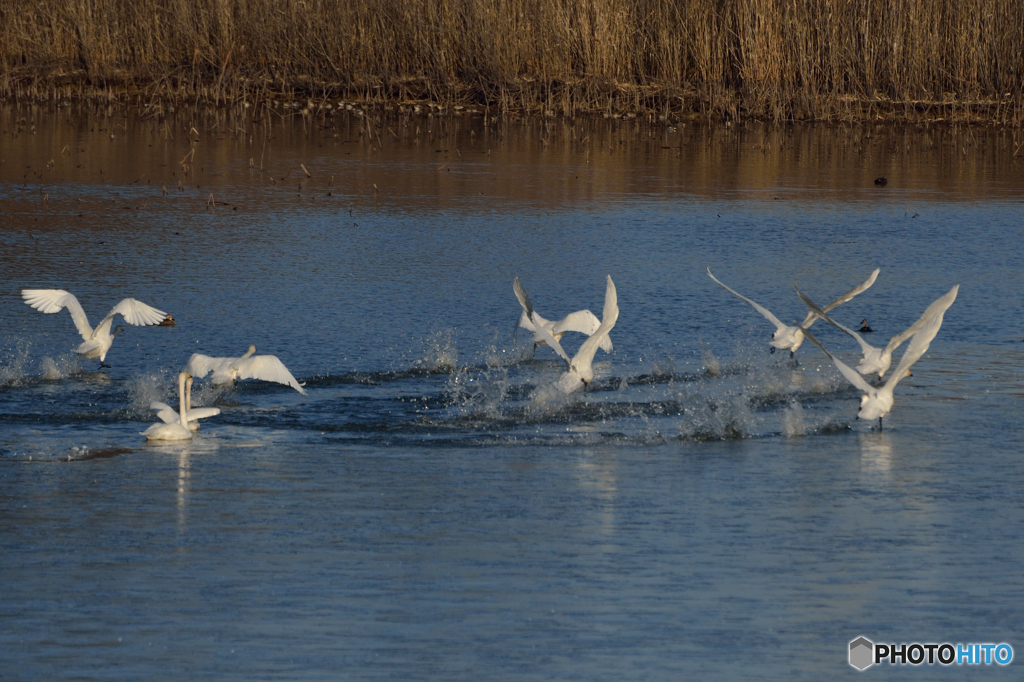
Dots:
{"x": 431, "y": 510}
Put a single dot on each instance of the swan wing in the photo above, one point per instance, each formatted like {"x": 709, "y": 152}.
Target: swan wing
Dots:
{"x": 134, "y": 312}
{"x": 609, "y": 316}
{"x": 851, "y": 374}
{"x": 545, "y": 333}
{"x": 820, "y": 312}
{"x": 200, "y": 365}
{"x": 164, "y": 412}
{"x": 938, "y": 306}
{"x": 865, "y": 347}
{"x": 761, "y": 309}
{"x": 860, "y": 288}
{"x": 539, "y": 329}
{"x": 525, "y": 322}
{"x": 55, "y": 300}
{"x": 266, "y": 368}
{"x": 137, "y": 313}
{"x": 581, "y": 321}
{"x": 200, "y": 413}
{"x": 524, "y": 300}
{"x": 584, "y": 322}
{"x": 918, "y": 346}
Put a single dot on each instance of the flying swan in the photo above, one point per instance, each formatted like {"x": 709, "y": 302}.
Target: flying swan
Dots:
{"x": 579, "y": 371}
{"x": 168, "y": 415}
{"x": 177, "y": 430}
{"x": 878, "y": 360}
{"x": 877, "y": 401}
{"x": 95, "y": 342}
{"x": 581, "y": 321}
{"x": 229, "y": 370}
{"x": 788, "y": 336}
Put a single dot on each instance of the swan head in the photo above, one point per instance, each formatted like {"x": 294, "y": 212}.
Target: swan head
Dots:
{"x": 118, "y": 329}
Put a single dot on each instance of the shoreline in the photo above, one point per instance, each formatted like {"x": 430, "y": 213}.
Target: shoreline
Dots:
{"x": 654, "y": 103}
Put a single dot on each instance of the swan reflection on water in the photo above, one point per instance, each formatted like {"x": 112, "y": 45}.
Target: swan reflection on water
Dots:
{"x": 875, "y": 452}
{"x": 598, "y": 474}
{"x": 184, "y": 476}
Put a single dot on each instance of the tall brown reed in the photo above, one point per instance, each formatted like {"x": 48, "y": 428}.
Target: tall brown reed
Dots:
{"x": 773, "y": 59}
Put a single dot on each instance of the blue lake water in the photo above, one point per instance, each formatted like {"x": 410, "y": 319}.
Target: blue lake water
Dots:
{"x": 431, "y": 509}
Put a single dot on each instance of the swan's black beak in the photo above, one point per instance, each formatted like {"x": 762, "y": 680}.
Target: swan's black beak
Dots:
{"x": 771, "y": 349}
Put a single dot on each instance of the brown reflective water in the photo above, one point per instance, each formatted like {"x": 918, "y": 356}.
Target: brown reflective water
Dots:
{"x": 449, "y": 161}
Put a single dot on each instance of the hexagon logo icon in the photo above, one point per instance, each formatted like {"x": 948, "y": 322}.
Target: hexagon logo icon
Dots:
{"x": 862, "y": 653}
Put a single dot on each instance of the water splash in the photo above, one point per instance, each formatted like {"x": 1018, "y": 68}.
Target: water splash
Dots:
{"x": 547, "y": 399}
{"x": 725, "y": 417}
{"x": 441, "y": 353}
{"x": 61, "y": 367}
{"x": 712, "y": 367}
{"x": 12, "y": 369}
{"x": 793, "y": 420}
{"x": 500, "y": 356}
{"x": 478, "y": 393}
{"x": 143, "y": 389}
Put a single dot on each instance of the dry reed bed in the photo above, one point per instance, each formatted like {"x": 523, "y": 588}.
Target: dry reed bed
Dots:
{"x": 769, "y": 59}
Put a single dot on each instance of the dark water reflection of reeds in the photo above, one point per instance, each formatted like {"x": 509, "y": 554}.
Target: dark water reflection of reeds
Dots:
{"x": 239, "y": 160}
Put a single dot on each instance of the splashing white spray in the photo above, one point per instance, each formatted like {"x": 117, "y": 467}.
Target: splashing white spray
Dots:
{"x": 61, "y": 367}
{"x": 711, "y": 365}
{"x": 793, "y": 421}
{"x": 144, "y": 389}
{"x": 441, "y": 353}
{"x": 12, "y": 371}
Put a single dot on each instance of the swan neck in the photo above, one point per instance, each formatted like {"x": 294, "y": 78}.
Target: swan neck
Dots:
{"x": 181, "y": 399}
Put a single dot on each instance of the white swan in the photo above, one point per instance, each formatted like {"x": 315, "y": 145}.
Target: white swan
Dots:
{"x": 96, "y": 342}
{"x": 175, "y": 430}
{"x": 877, "y": 401}
{"x": 791, "y": 336}
{"x": 581, "y": 321}
{"x": 229, "y": 370}
{"x": 878, "y": 360}
{"x": 168, "y": 415}
{"x": 579, "y": 372}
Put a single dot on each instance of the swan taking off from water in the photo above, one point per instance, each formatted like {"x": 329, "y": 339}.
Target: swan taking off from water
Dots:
{"x": 580, "y": 372}
{"x": 229, "y": 370}
{"x": 789, "y": 336}
{"x": 176, "y": 430}
{"x": 581, "y": 321}
{"x": 877, "y": 401}
{"x": 96, "y": 342}
{"x": 877, "y": 360}
{"x": 168, "y": 415}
